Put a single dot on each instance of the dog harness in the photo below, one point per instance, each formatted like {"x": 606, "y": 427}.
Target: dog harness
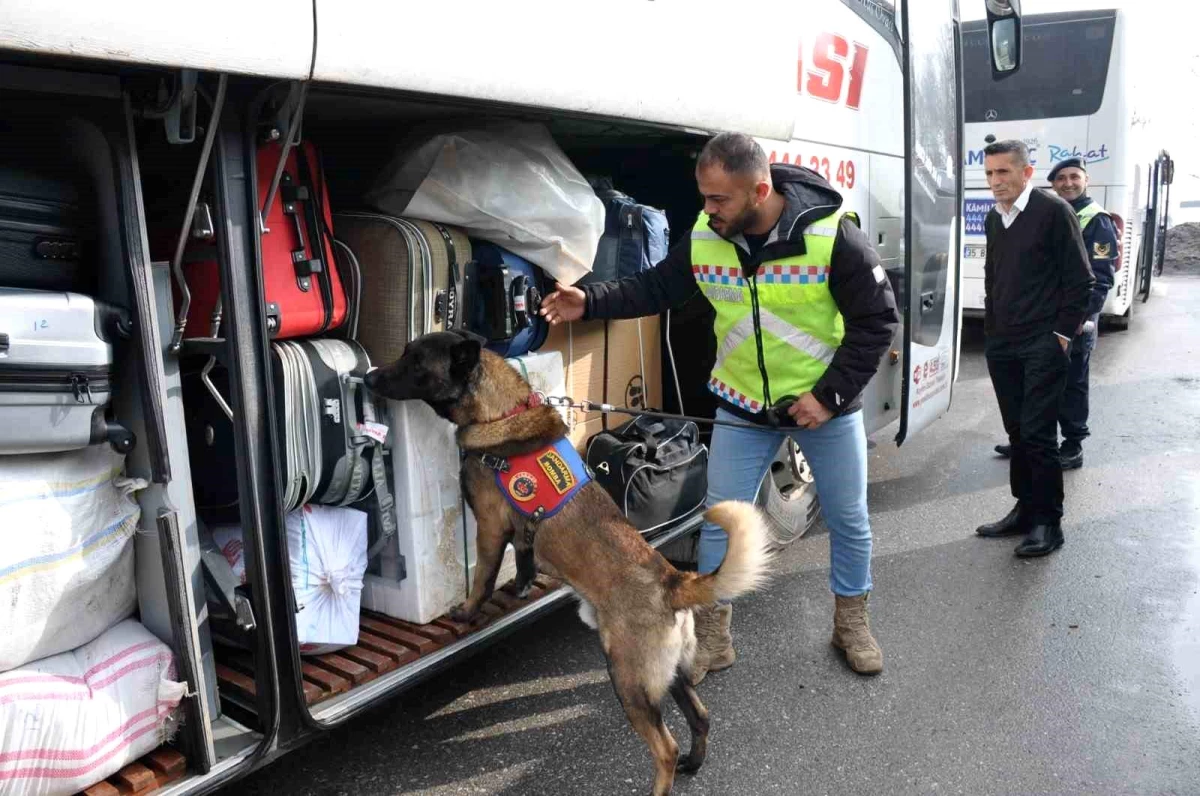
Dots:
{"x": 540, "y": 483}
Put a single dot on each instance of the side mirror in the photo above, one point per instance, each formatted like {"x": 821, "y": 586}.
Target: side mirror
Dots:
{"x": 1004, "y": 36}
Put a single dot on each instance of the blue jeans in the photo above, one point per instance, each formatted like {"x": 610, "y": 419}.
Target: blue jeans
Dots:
{"x": 837, "y": 453}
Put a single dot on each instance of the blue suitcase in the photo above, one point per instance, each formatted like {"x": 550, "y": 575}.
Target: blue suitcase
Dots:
{"x": 503, "y": 293}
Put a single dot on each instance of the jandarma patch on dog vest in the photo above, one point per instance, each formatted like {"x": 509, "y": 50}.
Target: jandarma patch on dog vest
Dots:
{"x": 557, "y": 470}
{"x": 544, "y": 479}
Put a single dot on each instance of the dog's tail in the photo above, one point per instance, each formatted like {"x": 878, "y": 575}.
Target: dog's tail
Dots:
{"x": 745, "y": 567}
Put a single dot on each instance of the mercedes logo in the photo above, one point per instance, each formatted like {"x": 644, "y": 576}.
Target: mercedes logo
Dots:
{"x": 991, "y": 115}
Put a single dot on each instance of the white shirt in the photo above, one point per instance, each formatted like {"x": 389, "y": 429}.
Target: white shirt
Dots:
{"x": 1017, "y": 206}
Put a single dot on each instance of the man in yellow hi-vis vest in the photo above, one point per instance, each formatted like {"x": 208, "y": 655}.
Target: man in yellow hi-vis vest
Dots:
{"x": 804, "y": 311}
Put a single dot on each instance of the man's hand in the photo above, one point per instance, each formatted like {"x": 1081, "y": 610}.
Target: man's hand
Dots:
{"x": 1064, "y": 342}
{"x": 565, "y": 304}
{"x": 1089, "y": 326}
{"x": 808, "y": 412}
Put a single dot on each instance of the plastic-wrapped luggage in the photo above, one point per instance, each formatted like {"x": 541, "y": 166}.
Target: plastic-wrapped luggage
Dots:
{"x": 504, "y": 182}
{"x": 66, "y": 565}
{"x": 327, "y": 548}
{"x": 73, "y": 719}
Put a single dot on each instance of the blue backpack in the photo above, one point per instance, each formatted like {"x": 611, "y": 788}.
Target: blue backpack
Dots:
{"x": 502, "y": 295}
{"x": 636, "y": 237}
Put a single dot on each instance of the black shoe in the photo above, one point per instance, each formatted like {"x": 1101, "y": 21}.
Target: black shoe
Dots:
{"x": 1040, "y": 541}
{"x": 1012, "y": 525}
{"x": 1004, "y": 450}
{"x": 1070, "y": 455}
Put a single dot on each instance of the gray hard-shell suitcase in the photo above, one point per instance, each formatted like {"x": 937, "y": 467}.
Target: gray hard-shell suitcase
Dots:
{"x": 56, "y": 355}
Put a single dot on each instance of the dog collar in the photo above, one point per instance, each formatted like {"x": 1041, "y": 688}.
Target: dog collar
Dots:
{"x": 534, "y": 400}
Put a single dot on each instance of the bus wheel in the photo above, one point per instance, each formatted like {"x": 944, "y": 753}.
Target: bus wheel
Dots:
{"x": 789, "y": 497}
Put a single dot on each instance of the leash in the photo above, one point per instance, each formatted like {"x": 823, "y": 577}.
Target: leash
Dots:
{"x": 777, "y": 416}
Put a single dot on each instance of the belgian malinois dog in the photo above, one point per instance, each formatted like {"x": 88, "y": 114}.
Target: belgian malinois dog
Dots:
{"x": 639, "y": 603}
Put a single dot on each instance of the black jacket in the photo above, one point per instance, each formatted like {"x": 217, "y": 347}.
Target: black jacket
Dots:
{"x": 1036, "y": 273}
{"x": 857, "y": 281}
{"x": 1100, "y": 242}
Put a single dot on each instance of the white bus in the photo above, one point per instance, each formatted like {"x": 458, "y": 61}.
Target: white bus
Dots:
{"x": 867, "y": 92}
{"x": 1070, "y": 99}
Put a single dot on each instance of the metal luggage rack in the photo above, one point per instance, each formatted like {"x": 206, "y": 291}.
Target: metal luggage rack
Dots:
{"x": 393, "y": 655}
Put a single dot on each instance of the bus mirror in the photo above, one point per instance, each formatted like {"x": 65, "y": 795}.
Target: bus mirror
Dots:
{"x": 1004, "y": 29}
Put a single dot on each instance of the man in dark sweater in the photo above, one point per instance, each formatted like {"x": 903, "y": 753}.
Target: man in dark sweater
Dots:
{"x": 1070, "y": 181}
{"x": 1038, "y": 282}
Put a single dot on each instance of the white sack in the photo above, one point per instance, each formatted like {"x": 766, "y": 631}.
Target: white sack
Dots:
{"x": 327, "y": 547}
{"x": 503, "y": 182}
{"x": 67, "y": 522}
{"x": 71, "y": 720}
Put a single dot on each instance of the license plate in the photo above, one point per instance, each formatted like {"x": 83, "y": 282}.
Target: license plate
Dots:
{"x": 972, "y": 252}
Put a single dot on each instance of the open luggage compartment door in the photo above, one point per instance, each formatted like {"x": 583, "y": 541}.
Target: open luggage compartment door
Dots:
{"x": 933, "y": 200}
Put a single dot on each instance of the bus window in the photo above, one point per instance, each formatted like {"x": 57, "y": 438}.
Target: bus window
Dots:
{"x": 1064, "y": 69}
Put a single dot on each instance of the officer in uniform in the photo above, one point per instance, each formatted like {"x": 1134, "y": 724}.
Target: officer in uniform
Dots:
{"x": 804, "y": 316}
{"x": 1069, "y": 178}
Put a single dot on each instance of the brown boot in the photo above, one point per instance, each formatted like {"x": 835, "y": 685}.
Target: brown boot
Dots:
{"x": 714, "y": 644}
{"x": 852, "y": 635}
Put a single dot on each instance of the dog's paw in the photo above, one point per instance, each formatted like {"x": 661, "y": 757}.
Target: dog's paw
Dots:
{"x": 688, "y": 764}
{"x": 518, "y": 590}
{"x": 460, "y": 613}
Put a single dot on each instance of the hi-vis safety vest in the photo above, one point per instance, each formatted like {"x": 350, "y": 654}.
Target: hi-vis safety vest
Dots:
{"x": 1088, "y": 213}
{"x": 800, "y": 322}
{"x": 1099, "y": 250}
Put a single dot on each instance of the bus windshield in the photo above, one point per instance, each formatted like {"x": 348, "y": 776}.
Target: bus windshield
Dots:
{"x": 1063, "y": 73}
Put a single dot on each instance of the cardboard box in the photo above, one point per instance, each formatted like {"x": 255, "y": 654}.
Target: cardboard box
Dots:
{"x": 634, "y": 364}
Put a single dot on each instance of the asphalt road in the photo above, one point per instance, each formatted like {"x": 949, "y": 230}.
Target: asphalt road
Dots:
{"x": 1079, "y": 673}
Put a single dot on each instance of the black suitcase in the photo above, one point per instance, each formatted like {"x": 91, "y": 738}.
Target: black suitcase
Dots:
{"x": 323, "y": 455}
{"x": 47, "y": 209}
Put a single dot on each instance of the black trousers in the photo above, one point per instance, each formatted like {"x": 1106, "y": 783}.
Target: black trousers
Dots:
{"x": 1029, "y": 377}
{"x": 1073, "y": 414}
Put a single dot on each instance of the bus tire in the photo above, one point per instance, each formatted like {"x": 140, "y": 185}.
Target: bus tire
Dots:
{"x": 1121, "y": 322}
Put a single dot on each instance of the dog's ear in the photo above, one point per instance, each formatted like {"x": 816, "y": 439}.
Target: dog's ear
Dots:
{"x": 467, "y": 334}
{"x": 463, "y": 358}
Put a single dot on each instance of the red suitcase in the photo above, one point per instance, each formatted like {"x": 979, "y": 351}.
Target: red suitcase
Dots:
{"x": 305, "y": 293}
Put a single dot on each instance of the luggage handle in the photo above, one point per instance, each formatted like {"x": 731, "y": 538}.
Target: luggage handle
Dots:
{"x": 526, "y": 300}
{"x": 305, "y": 266}
{"x": 448, "y": 303}
{"x": 289, "y": 140}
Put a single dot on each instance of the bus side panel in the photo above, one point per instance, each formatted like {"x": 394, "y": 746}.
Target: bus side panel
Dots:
{"x": 222, "y": 35}
{"x": 563, "y": 56}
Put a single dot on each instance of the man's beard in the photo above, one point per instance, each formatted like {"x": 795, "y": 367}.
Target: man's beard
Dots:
{"x": 735, "y": 227}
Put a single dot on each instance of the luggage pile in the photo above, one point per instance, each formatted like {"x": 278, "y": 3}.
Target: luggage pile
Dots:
{"x": 84, "y": 688}
{"x": 331, "y": 445}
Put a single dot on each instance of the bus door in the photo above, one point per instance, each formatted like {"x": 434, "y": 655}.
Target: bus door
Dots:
{"x": 933, "y": 199}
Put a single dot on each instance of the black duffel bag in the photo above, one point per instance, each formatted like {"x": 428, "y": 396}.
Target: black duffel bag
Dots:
{"x": 655, "y": 469}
